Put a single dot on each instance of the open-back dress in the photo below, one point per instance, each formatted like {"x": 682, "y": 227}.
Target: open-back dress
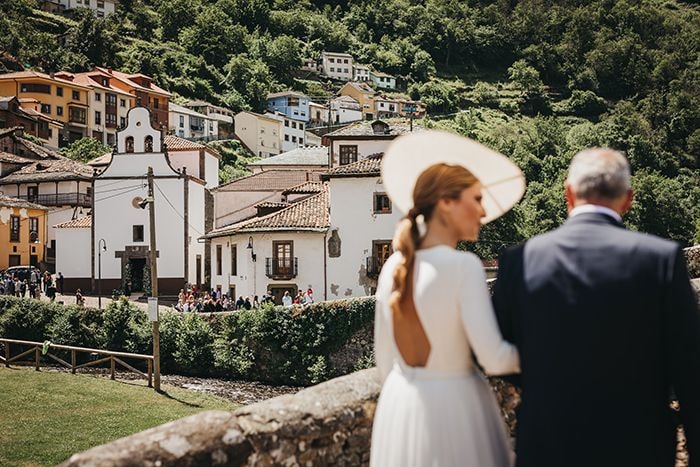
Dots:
{"x": 442, "y": 414}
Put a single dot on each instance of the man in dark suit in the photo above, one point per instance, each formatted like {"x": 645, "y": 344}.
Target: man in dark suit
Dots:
{"x": 607, "y": 328}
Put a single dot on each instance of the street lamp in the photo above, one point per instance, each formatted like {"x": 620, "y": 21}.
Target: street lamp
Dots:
{"x": 253, "y": 256}
{"x": 101, "y": 246}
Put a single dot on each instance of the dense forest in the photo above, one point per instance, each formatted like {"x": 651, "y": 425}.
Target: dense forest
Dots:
{"x": 536, "y": 79}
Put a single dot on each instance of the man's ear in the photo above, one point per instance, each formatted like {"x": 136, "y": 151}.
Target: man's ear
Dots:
{"x": 570, "y": 196}
{"x": 627, "y": 204}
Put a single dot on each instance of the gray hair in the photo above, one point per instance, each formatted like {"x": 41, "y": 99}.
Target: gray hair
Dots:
{"x": 599, "y": 173}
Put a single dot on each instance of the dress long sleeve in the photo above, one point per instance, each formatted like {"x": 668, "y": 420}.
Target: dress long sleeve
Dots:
{"x": 496, "y": 355}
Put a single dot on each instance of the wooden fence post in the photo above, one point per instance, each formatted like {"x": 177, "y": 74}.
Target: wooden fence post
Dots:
{"x": 111, "y": 365}
{"x": 150, "y": 373}
{"x": 37, "y": 356}
{"x": 72, "y": 361}
{"x": 7, "y": 354}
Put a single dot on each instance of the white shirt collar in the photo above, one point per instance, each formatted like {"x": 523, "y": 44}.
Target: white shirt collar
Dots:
{"x": 587, "y": 208}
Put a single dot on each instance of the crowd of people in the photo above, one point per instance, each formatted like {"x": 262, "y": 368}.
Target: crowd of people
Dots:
{"x": 31, "y": 283}
{"x": 214, "y": 300}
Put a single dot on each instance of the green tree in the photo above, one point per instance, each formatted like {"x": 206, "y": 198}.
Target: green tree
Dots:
{"x": 248, "y": 78}
{"x": 214, "y": 36}
{"x": 176, "y": 15}
{"x": 85, "y": 149}
{"x": 525, "y": 77}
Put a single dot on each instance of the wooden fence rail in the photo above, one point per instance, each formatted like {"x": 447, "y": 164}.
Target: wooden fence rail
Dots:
{"x": 113, "y": 358}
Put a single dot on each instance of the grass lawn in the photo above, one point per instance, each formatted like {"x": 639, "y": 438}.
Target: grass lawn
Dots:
{"x": 45, "y": 417}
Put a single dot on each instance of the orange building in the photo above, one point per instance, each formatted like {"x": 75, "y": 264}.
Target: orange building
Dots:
{"x": 147, "y": 94}
{"x": 57, "y": 98}
{"x": 363, "y": 94}
{"x": 23, "y": 232}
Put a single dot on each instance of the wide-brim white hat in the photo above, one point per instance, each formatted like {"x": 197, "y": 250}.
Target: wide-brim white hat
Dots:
{"x": 503, "y": 183}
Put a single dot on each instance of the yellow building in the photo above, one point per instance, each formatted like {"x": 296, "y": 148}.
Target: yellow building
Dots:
{"x": 363, "y": 94}
{"x": 23, "y": 232}
{"x": 59, "y": 99}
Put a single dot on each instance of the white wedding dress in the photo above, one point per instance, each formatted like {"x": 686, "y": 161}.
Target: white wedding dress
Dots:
{"x": 443, "y": 414}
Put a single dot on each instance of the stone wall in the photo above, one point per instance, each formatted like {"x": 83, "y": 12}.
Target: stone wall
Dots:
{"x": 327, "y": 424}
{"x": 692, "y": 256}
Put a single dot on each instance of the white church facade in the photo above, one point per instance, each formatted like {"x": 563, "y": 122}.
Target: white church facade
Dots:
{"x": 119, "y": 225}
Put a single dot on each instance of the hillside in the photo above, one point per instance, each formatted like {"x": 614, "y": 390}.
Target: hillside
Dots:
{"x": 536, "y": 79}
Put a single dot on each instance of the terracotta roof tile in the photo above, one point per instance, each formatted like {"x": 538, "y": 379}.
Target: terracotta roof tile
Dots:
{"x": 270, "y": 204}
{"x": 9, "y": 202}
{"x": 370, "y": 166}
{"x": 79, "y": 223}
{"x": 305, "y": 188}
{"x": 13, "y": 159}
{"x": 364, "y": 128}
{"x": 175, "y": 143}
{"x": 312, "y": 155}
{"x": 50, "y": 170}
{"x": 310, "y": 214}
{"x": 270, "y": 180}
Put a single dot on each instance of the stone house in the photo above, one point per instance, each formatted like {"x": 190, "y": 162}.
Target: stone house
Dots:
{"x": 260, "y": 134}
{"x": 382, "y": 80}
{"x": 363, "y": 94}
{"x": 356, "y": 254}
{"x": 101, "y": 8}
{"x": 187, "y": 123}
{"x": 293, "y": 132}
{"x": 108, "y": 104}
{"x": 292, "y": 104}
{"x": 360, "y": 72}
{"x": 337, "y": 66}
{"x": 54, "y": 97}
{"x": 278, "y": 250}
{"x": 237, "y": 200}
{"x": 223, "y": 117}
{"x": 23, "y": 232}
{"x": 361, "y": 139}
{"x": 13, "y": 114}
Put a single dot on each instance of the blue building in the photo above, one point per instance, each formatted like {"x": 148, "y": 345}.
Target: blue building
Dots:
{"x": 292, "y": 104}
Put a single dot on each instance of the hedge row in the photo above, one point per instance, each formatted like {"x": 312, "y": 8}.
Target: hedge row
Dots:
{"x": 272, "y": 344}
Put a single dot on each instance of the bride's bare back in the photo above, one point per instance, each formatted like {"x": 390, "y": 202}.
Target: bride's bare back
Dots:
{"x": 409, "y": 334}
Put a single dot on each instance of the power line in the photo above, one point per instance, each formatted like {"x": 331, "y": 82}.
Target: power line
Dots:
{"x": 175, "y": 209}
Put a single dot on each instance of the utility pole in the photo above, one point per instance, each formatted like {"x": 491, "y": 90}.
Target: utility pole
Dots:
{"x": 154, "y": 280}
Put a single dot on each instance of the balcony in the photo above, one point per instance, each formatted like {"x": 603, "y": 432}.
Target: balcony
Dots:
{"x": 374, "y": 266}
{"x": 281, "y": 268}
{"x": 60, "y": 199}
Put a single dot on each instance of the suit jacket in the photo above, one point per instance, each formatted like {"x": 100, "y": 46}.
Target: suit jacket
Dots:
{"x": 607, "y": 326}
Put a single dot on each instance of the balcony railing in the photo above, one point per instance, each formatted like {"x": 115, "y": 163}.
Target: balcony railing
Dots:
{"x": 60, "y": 199}
{"x": 281, "y": 268}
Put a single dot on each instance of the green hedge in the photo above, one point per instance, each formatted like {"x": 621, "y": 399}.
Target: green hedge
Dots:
{"x": 271, "y": 344}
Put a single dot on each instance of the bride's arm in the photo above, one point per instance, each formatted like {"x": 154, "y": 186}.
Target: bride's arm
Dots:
{"x": 382, "y": 343}
{"x": 495, "y": 355}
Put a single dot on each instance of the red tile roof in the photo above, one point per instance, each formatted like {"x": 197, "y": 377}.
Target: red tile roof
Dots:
{"x": 7, "y": 201}
{"x": 309, "y": 214}
{"x": 270, "y": 180}
{"x": 79, "y": 223}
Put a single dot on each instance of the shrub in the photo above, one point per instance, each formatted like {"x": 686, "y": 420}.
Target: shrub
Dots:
{"x": 692, "y": 256}
{"x": 292, "y": 346}
{"x": 26, "y": 318}
{"x": 126, "y": 327}
{"x": 195, "y": 345}
{"x": 76, "y": 326}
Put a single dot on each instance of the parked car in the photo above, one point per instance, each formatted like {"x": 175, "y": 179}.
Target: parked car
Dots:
{"x": 22, "y": 272}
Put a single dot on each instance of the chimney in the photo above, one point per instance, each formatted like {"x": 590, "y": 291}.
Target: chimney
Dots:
{"x": 109, "y": 70}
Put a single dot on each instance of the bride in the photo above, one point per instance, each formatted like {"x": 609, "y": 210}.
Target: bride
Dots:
{"x": 433, "y": 308}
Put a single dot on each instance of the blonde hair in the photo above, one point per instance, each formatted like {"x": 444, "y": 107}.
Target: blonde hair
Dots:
{"x": 437, "y": 182}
